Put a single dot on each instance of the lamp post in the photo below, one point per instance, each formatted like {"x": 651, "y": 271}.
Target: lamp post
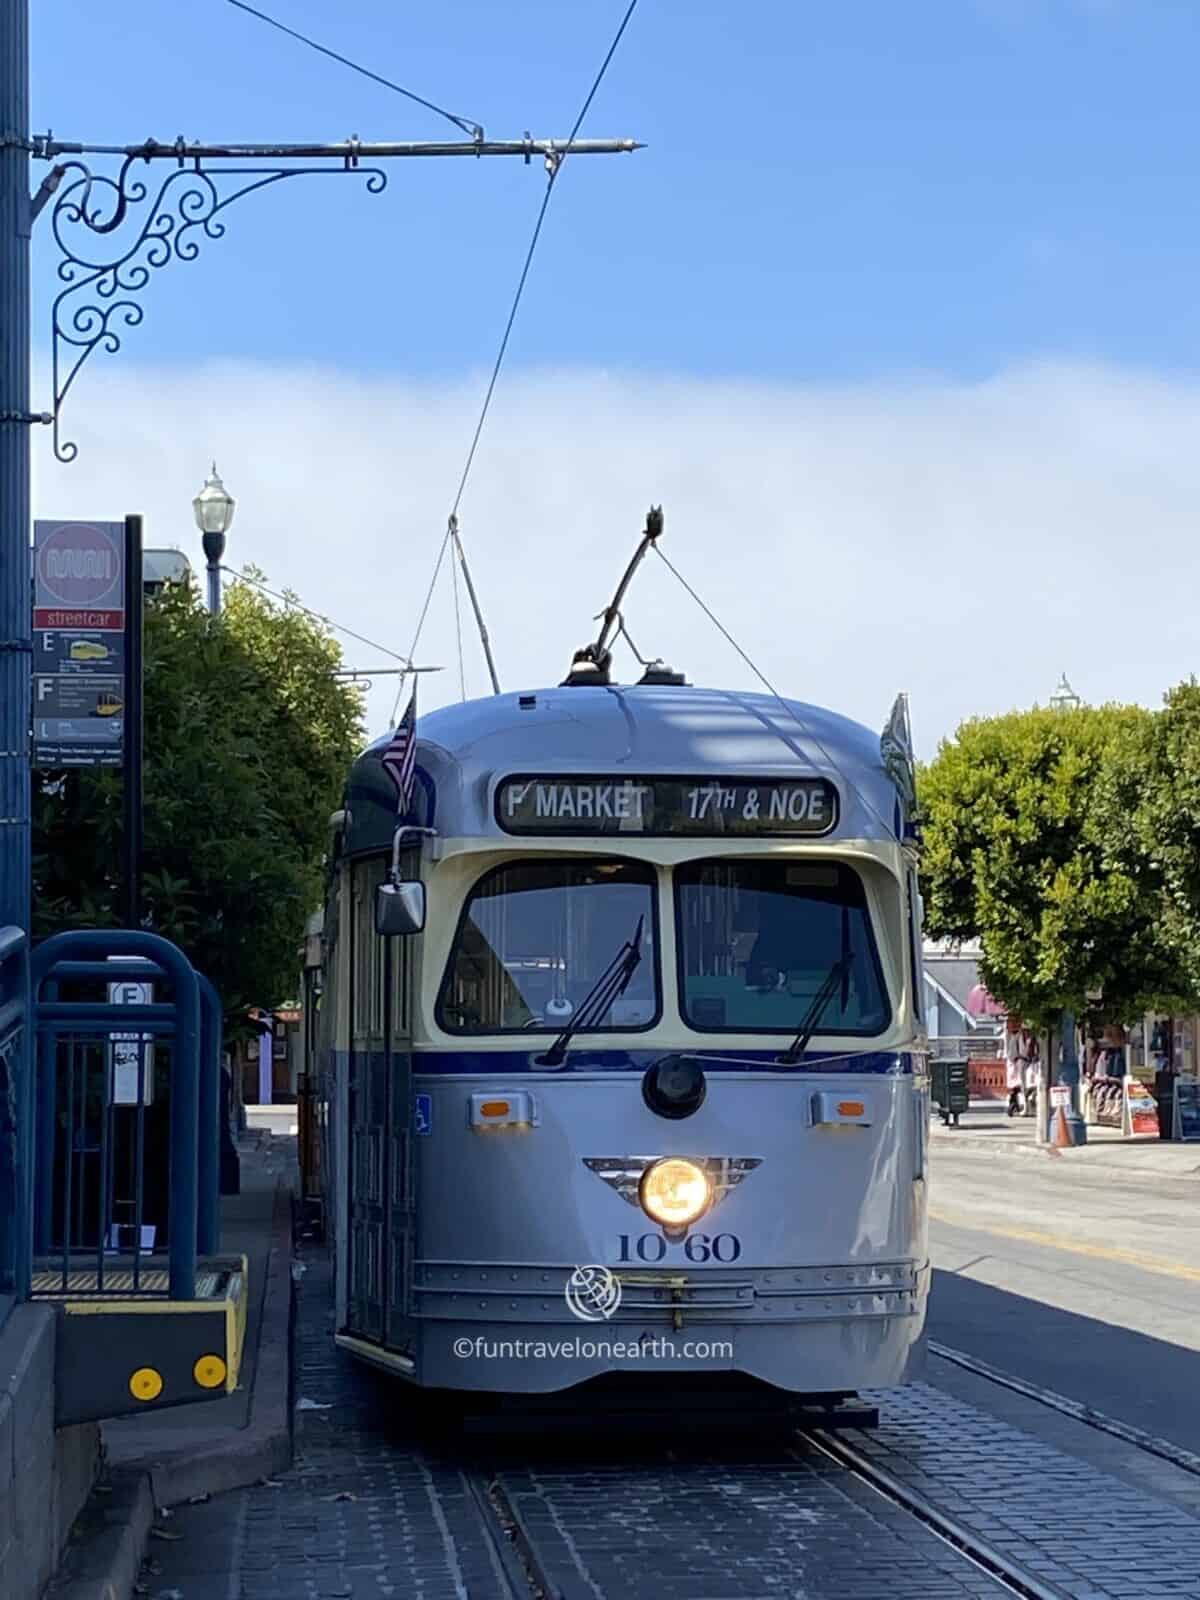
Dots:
{"x": 213, "y": 508}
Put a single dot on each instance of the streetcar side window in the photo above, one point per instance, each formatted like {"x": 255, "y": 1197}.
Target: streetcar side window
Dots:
{"x": 536, "y": 937}
{"x": 757, "y": 940}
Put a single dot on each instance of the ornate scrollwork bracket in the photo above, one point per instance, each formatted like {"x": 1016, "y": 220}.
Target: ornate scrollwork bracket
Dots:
{"x": 113, "y": 238}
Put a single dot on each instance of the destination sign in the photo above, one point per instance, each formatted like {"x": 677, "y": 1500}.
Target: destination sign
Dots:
{"x": 658, "y": 806}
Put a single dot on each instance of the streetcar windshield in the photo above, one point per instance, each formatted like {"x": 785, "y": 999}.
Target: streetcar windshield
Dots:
{"x": 757, "y": 938}
{"x": 535, "y": 937}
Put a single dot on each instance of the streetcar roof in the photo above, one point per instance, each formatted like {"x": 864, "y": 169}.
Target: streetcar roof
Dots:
{"x": 463, "y": 750}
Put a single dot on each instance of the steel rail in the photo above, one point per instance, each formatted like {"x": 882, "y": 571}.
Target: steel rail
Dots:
{"x": 1018, "y": 1579}
{"x": 514, "y": 1550}
{"x": 1153, "y": 1444}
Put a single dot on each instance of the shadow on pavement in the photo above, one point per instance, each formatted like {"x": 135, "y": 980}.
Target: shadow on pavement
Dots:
{"x": 1133, "y": 1377}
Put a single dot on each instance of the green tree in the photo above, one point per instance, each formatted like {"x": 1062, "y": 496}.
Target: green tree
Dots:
{"x": 1149, "y": 810}
{"x": 248, "y": 741}
{"x": 1026, "y": 850}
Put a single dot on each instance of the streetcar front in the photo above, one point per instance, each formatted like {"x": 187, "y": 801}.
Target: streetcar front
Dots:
{"x": 647, "y": 1089}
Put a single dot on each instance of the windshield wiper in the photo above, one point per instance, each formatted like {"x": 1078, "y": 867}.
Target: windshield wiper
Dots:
{"x": 838, "y": 972}
{"x": 608, "y": 987}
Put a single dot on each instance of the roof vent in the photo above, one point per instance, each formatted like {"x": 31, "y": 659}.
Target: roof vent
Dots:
{"x": 660, "y": 672}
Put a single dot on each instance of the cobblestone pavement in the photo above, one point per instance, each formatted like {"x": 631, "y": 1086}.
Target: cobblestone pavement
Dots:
{"x": 1090, "y": 1534}
{"x": 377, "y": 1505}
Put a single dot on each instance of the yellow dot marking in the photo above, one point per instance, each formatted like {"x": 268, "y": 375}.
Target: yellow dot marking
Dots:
{"x": 146, "y": 1384}
{"x": 1098, "y": 1252}
{"x": 209, "y": 1371}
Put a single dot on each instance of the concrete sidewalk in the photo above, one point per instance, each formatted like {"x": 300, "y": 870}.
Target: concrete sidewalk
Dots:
{"x": 191, "y": 1452}
{"x": 986, "y": 1128}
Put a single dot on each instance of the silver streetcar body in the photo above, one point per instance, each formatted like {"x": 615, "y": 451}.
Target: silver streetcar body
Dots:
{"x": 468, "y": 1172}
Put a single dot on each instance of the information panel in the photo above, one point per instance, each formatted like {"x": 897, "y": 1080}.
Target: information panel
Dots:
{"x": 661, "y": 806}
{"x": 1187, "y": 1110}
{"x": 78, "y": 644}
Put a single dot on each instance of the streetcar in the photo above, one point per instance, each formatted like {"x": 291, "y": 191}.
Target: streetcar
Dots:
{"x": 621, "y": 1047}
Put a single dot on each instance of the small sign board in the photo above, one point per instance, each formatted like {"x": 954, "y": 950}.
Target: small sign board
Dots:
{"x": 1141, "y": 1109}
{"x": 123, "y": 1238}
{"x": 124, "y": 1048}
{"x": 1060, "y": 1095}
{"x": 423, "y": 1114}
{"x": 1186, "y": 1110}
{"x": 78, "y": 644}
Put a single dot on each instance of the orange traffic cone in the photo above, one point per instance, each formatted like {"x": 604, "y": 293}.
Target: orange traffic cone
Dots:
{"x": 1062, "y": 1139}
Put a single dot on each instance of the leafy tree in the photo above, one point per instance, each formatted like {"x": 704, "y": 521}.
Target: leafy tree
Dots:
{"x": 248, "y": 740}
{"x": 1026, "y": 849}
{"x": 1149, "y": 810}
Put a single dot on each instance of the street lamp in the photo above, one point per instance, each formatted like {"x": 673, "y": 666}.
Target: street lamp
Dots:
{"x": 1064, "y": 697}
{"x": 214, "y": 507}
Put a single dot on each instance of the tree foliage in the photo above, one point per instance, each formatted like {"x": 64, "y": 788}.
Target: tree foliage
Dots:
{"x": 248, "y": 737}
{"x": 1149, "y": 811}
{"x": 1042, "y": 842}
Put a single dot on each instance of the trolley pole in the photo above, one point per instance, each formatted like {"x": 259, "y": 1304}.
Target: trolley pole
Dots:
{"x": 15, "y": 617}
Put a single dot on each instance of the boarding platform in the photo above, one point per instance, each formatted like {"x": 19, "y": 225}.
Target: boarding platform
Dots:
{"x": 125, "y": 1346}
{"x": 126, "y": 1178}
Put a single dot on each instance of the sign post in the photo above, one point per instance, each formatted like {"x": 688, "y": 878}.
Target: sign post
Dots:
{"x": 132, "y": 787}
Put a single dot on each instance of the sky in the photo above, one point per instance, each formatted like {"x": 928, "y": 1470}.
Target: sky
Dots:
{"x": 896, "y": 314}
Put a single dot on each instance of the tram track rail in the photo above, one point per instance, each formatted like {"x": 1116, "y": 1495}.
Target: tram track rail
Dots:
{"x": 1152, "y": 1444}
{"x": 515, "y": 1552}
{"x": 1003, "y": 1569}
{"x": 529, "y": 1566}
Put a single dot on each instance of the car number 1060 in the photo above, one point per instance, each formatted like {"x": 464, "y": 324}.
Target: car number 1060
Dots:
{"x": 697, "y": 1247}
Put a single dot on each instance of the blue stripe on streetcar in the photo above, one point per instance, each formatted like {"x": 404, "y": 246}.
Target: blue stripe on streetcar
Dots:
{"x": 461, "y": 1063}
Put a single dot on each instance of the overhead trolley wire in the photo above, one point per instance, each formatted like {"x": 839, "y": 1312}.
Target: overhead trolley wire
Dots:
{"x": 290, "y": 600}
{"x": 474, "y": 129}
{"x": 783, "y": 704}
{"x": 554, "y": 164}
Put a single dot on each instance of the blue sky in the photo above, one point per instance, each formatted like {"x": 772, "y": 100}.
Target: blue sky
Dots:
{"x": 830, "y": 191}
{"x": 898, "y": 313}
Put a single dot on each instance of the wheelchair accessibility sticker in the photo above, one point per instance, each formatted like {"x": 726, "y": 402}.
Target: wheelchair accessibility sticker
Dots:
{"x": 423, "y": 1113}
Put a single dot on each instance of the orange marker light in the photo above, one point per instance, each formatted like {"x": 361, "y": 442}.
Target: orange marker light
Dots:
{"x": 850, "y": 1108}
{"x": 494, "y": 1108}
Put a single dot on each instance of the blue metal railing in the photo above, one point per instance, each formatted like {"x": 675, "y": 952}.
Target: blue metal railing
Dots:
{"x": 84, "y": 1134}
{"x": 14, "y": 1118}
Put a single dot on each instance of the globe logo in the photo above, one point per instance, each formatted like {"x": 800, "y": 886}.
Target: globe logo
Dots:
{"x": 592, "y": 1293}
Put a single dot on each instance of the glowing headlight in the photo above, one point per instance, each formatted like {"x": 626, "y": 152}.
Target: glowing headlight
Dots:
{"x": 674, "y": 1192}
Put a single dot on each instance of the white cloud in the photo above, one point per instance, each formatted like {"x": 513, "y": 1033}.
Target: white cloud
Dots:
{"x": 966, "y": 542}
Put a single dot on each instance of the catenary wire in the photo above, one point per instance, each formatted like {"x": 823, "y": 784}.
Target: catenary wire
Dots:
{"x": 437, "y": 567}
{"x": 783, "y": 704}
{"x": 555, "y": 169}
{"x": 462, "y": 671}
{"x": 464, "y": 123}
{"x": 289, "y": 600}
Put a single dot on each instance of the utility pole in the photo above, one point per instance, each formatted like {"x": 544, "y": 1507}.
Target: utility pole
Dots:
{"x": 15, "y": 614}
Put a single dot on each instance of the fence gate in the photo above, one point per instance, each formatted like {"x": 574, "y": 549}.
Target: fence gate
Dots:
{"x": 126, "y": 1164}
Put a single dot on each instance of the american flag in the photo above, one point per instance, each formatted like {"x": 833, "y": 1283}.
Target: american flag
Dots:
{"x": 400, "y": 757}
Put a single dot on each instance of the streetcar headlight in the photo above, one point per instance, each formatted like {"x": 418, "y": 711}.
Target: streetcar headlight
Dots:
{"x": 674, "y": 1192}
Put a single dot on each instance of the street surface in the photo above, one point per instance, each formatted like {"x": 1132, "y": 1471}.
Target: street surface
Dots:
{"x": 388, "y": 1498}
{"x": 1081, "y": 1277}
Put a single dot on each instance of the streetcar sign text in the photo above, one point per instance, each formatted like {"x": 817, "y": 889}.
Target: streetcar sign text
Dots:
{"x": 660, "y": 806}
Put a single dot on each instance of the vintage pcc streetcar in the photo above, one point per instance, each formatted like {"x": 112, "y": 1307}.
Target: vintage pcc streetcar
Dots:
{"x": 647, "y": 1000}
